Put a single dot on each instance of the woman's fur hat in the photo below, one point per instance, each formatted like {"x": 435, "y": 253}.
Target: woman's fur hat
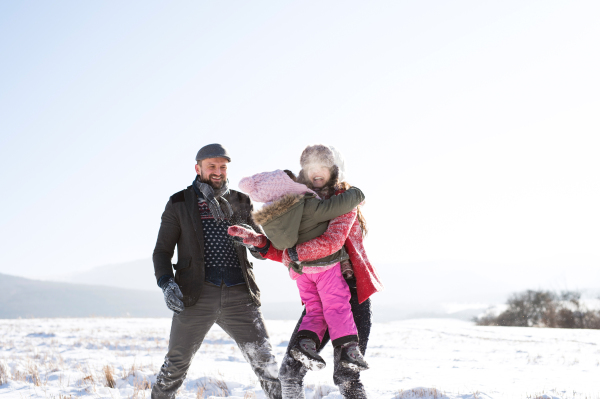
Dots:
{"x": 322, "y": 155}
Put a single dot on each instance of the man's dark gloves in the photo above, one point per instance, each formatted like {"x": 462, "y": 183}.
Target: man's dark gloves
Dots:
{"x": 173, "y": 296}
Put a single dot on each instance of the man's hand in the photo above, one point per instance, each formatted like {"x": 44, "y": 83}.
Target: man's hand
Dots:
{"x": 248, "y": 236}
{"x": 173, "y": 296}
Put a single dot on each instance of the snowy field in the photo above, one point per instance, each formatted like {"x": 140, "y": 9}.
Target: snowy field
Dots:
{"x": 436, "y": 358}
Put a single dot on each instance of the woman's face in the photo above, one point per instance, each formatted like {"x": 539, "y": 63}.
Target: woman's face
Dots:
{"x": 318, "y": 175}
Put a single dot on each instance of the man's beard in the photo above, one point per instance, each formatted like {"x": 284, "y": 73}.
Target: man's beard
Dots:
{"x": 214, "y": 185}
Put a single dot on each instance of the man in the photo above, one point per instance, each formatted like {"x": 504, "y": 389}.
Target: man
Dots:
{"x": 213, "y": 281}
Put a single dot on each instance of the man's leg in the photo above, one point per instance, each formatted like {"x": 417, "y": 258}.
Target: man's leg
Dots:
{"x": 188, "y": 330}
{"x": 243, "y": 321}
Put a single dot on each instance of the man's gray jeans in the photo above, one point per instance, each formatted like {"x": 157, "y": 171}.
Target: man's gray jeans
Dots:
{"x": 233, "y": 310}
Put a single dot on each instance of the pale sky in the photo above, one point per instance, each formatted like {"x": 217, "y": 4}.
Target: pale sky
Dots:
{"x": 471, "y": 126}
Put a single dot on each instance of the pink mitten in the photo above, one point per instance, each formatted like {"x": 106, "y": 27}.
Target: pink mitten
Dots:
{"x": 248, "y": 236}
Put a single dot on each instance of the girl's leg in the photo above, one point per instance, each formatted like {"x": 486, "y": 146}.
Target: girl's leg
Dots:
{"x": 313, "y": 324}
{"x": 335, "y": 297}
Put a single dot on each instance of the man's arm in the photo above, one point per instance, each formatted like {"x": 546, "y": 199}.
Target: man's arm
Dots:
{"x": 168, "y": 235}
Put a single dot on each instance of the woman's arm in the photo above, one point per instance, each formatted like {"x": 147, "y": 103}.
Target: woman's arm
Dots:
{"x": 327, "y": 243}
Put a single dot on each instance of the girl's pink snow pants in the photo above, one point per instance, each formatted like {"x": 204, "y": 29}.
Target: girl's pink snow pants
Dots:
{"x": 327, "y": 299}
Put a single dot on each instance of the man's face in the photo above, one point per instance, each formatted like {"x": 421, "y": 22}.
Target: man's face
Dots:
{"x": 318, "y": 175}
{"x": 213, "y": 171}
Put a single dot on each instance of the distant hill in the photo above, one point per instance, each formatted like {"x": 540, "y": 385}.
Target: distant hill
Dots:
{"x": 21, "y": 297}
{"x": 138, "y": 275}
{"x": 413, "y": 290}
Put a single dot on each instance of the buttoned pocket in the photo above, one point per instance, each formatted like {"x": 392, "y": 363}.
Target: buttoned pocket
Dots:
{"x": 181, "y": 268}
{"x": 182, "y": 264}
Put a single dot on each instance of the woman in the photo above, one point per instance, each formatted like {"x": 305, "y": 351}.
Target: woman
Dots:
{"x": 322, "y": 171}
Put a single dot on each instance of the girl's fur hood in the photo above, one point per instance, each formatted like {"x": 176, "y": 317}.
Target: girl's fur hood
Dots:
{"x": 276, "y": 208}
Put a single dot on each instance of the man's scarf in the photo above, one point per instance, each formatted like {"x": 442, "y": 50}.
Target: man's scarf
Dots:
{"x": 212, "y": 197}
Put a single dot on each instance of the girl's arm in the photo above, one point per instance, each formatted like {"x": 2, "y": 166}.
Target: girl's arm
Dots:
{"x": 260, "y": 242}
{"x": 326, "y": 244}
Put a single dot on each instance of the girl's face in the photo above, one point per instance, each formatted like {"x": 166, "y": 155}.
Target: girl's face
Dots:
{"x": 318, "y": 175}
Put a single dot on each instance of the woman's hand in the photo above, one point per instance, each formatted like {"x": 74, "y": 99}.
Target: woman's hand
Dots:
{"x": 289, "y": 256}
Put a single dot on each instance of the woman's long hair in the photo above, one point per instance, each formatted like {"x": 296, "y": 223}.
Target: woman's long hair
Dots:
{"x": 332, "y": 185}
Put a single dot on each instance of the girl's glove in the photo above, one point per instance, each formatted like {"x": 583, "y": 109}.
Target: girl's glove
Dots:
{"x": 247, "y": 236}
{"x": 173, "y": 296}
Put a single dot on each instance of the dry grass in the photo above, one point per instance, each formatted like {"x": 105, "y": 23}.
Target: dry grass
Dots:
{"x": 139, "y": 388}
{"x": 200, "y": 392}
{"x": 554, "y": 393}
{"x": 320, "y": 390}
{"x": 5, "y": 375}
{"x": 33, "y": 374}
{"x": 109, "y": 375}
{"x": 35, "y": 368}
{"x": 432, "y": 393}
{"x": 221, "y": 385}
{"x": 250, "y": 395}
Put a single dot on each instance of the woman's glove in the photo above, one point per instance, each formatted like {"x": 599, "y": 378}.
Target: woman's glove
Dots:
{"x": 289, "y": 256}
{"x": 247, "y": 236}
{"x": 173, "y": 296}
{"x": 346, "y": 267}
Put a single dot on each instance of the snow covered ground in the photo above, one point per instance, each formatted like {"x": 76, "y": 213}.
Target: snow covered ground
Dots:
{"x": 435, "y": 358}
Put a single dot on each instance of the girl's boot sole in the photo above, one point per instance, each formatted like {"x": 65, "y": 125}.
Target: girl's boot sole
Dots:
{"x": 311, "y": 364}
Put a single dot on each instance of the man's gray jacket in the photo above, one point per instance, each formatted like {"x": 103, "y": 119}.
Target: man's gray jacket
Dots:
{"x": 181, "y": 225}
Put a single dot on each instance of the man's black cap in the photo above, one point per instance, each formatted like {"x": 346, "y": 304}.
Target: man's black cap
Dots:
{"x": 213, "y": 151}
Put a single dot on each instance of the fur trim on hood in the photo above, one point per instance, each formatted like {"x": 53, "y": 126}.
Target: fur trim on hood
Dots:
{"x": 277, "y": 208}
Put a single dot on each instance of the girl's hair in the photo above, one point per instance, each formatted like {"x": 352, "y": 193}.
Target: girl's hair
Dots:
{"x": 332, "y": 185}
